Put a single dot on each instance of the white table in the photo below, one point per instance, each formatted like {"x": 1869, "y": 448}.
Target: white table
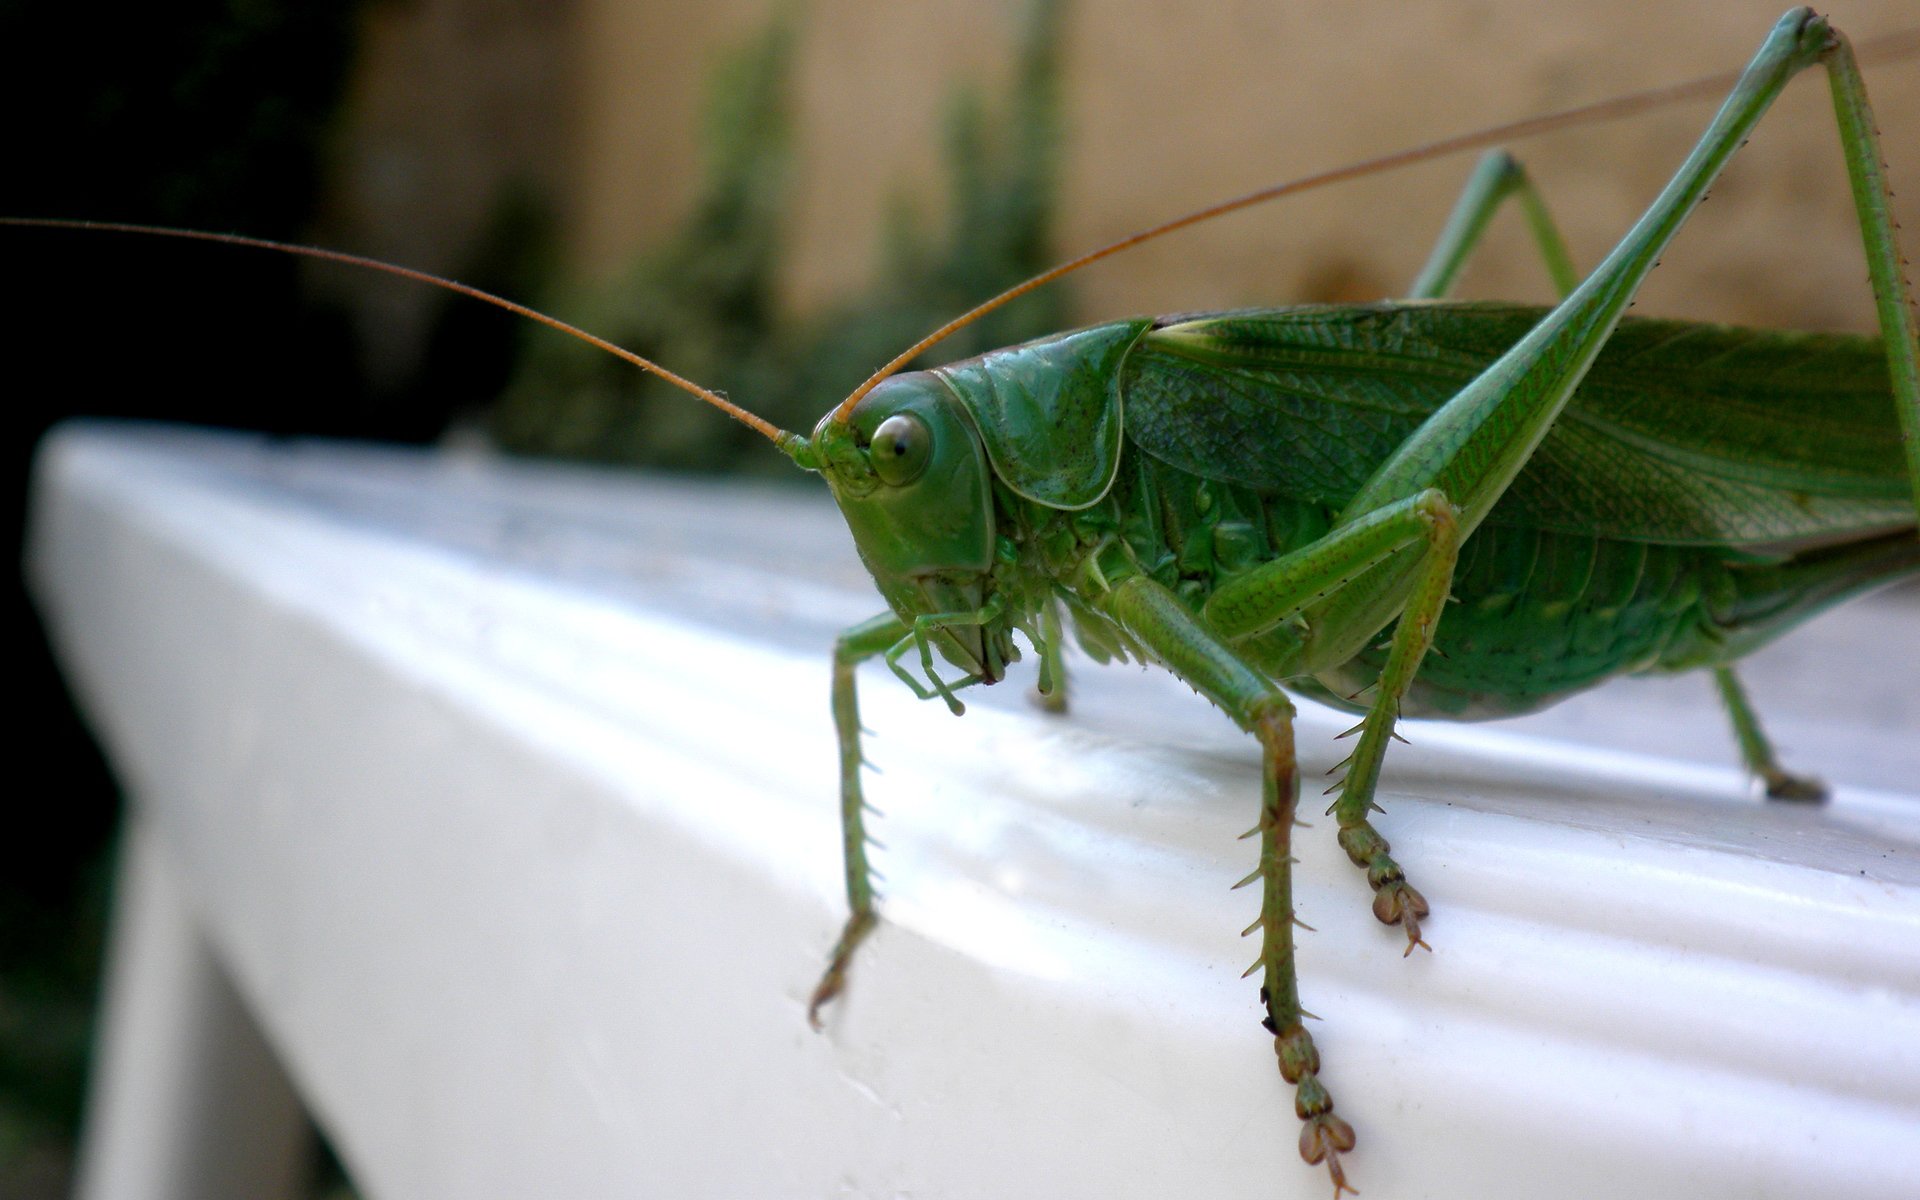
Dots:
{"x": 487, "y": 812}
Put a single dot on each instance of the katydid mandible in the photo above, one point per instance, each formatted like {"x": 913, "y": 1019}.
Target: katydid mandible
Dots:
{"x": 1464, "y": 535}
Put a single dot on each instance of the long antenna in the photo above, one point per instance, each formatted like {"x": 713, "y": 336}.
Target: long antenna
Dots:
{"x": 760, "y": 425}
{"x": 1891, "y": 47}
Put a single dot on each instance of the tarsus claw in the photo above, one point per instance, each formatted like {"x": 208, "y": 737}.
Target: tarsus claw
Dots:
{"x": 1784, "y": 785}
{"x": 835, "y": 978}
{"x": 1323, "y": 1139}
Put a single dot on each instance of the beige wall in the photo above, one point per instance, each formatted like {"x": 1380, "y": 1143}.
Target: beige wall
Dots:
{"x": 449, "y": 101}
{"x": 1168, "y": 106}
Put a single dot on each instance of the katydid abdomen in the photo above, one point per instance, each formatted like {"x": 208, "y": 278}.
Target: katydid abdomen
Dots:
{"x": 1552, "y": 614}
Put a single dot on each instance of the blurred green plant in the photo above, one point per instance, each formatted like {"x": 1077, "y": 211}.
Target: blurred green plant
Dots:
{"x": 705, "y": 303}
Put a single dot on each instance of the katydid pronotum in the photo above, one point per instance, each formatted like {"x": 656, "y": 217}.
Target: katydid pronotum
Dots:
{"x": 1143, "y": 482}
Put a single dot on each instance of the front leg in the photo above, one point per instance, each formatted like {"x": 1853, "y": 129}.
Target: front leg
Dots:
{"x": 1180, "y": 641}
{"x": 866, "y": 640}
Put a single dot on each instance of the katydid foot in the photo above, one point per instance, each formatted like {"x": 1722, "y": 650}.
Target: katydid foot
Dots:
{"x": 1395, "y": 901}
{"x": 1756, "y": 749}
{"x": 1785, "y": 785}
{"x": 1324, "y": 1137}
{"x": 858, "y": 926}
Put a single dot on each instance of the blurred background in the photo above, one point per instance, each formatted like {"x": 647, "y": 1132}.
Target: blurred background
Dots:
{"x": 772, "y": 198}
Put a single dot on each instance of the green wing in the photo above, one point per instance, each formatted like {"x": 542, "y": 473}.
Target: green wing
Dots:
{"x": 1681, "y": 433}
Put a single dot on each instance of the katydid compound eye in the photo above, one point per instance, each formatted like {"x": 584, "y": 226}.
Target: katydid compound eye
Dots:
{"x": 900, "y": 450}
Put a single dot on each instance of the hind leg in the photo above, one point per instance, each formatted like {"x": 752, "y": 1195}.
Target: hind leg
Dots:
{"x": 1756, "y": 751}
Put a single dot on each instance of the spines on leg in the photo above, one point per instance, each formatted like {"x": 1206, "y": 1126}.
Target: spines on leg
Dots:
{"x": 1324, "y": 1136}
{"x": 1395, "y": 901}
{"x": 865, "y": 640}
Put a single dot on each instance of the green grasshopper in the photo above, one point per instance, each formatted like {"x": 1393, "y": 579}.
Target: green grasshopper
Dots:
{"x": 1154, "y": 479}
{"x": 1416, "y": 508}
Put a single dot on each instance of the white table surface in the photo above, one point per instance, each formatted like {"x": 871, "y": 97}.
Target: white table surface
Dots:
{"x": 504, "y": 796}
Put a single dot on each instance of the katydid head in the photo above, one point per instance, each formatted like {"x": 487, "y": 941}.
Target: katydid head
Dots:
{"x": 911, "y": 478}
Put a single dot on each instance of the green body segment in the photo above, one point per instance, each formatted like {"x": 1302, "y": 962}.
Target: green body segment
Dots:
{"x": 1544, "y": 615}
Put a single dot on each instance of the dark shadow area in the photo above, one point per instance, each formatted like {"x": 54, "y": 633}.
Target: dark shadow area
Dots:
{"x": 204, "y": 114}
